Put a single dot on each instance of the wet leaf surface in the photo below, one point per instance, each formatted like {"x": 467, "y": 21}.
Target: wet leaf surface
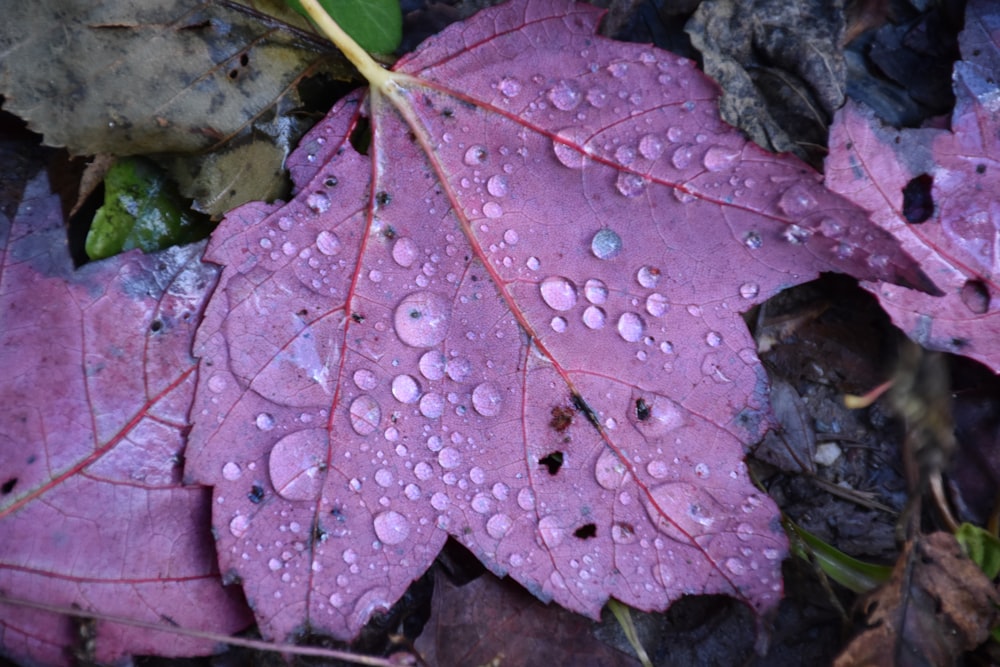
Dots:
{"x": 515, "y": 321}
{"x": 94, "y": 399}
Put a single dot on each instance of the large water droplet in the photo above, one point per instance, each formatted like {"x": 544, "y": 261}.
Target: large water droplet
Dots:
{"x": 492, "y": 210}
{"x": 431, "y": 406}
{"x": 423, "y": 471}
{"x": 498, "y": 526}
{"x": 796, "y": 201}
{"x": 568, "y": 156}
{"x": 239, "y": 525}
{"x": 551, "y": 531}
{"x": 231, "y": 471}
{"x": 458, "y": 369}
{"x": 365, "y": 415}
{"x": 595, "y": 291}
{"x": 432, "y": 364}
{"x": 558, "y": 292}
{"x": 594, "y": 317}
{"x": 295, "y": 465}
{"x": 526, "y": 499}
{"x": 650, "y": 147}
{"x": 718, "y": 158}
{"x": 631, "y": 327}
{"x": 654, "y": 414}
{"x": 476, "y": 155}
{"x": 404, "y": 251}
{"x": 421, "y": 319}
{"x": 365, "y": 379}
{"x": 405, "y": 389}
{"x": 497, "y": 185}
{"x": 391, "y": 527}
{"x": 606, "y": 244}
{"x": 657, "y": 304}
{"x": 610, "y": 471}
{"x": 509, "y": 87}
{"x": 487, "y": 399}
{"x": 565, "y": 96}
{"x": 630, "y": 185}
{"x": 449, "y": 458}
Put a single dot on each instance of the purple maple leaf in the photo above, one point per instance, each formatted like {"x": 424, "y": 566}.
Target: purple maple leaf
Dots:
{"x": 514, "y": 321}
{"x": 937, "y": 191}
{"x": 97, "y": 384}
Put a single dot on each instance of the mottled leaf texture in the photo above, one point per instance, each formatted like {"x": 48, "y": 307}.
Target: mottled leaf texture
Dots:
{"x": 515, "y": 321}
{"x": 937, "y": 191}
{"x": 937, "y": 605}
{"x": 94, "y": 401}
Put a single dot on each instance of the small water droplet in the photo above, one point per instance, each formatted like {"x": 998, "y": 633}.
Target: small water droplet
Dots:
{"x": 796, "y": 235}
{"x": 702, "y": 471}
{"x": 565, "y": 153}
{"x": 595, "y": 291}
{"x": 440, "y": 501}
{"x": 618, "y": 69}
{"x": 681, "y": 157}
{"x": 526, "y": 499}
{"x": 736, "y": 566}
{"x": 458, "y": 368}
{"x": 383, "y": 478}
{"x": 475, "y": 155}
{"x": 831, "y": 228}
{"x": 487, "y": 399}
{"x": 749, "y": 290}
{"x": 657, "y": 469}
{"x": 274, "y": 565}
{"x": 551, "y": 531}
{"x": 500, "y": 491}
{"x": 509, "y": 86}
{"x": 264, "y": 421}
{"x": 718, "y": 158}
{"x": 510, "y": 237}
{"x": 630, "y": 185}
{"x": 623, "y": 533}
{"x": 239, "y": 525}
{"x": 498, "y": 525}
{"x": 493, "y": 210}
{"x": 404, "y": 251}
{"x": 449, "y": 458}
{"x": 423, "y": 471}
{"x": 266, "y": 244}
{"x": 421, "y": 319}
{"x": 497, "y": 185}
{"x": 558, "y": 292}
{"x": 365, "y": 379}
{"x": 650, "y": 147}
{"x": 533, "y": 263}
{"x": 412, "y": 491}
{"x": 648, "y": 276}
{"x": 365, "y": 415}
{"x": 879, "y": 262}
{"x": 565, "y": 96}
{"x": 597, "y": 98}
{"x": 328, "y": 243}
{"x": 657, "y": 304}
{"x": 630, "y": 327}
{"x": 752, "y": 240}
{"x": 796, "y": 201}
{"x": 625, "y": 155}
{"x": 558, "y": 324}
{"x": 288, "y": 248}
{"x": 745, "y": 532}
{"x": 391, "y": 527}
{"x": 594, "y": 317}
{"x": 285, "y": 223}
{"x": 713, "y": 339}
{"x": 606, "y": 244}
{"x": 432, "y": 365}
{"x": 232, "y": 471}
{"x": 405, "y": 389}
{"x": 481, "y": 503}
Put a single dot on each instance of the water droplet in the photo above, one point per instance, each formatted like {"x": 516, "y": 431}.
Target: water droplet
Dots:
{"x": 654, "y": 414}
{"x": 630, "y": 185}
{"x": 493, "y": 210}
{"x": 526, "y": 499}
{"x": 796, "y": 201}
{"x": 449, "y": 458}
{"x": 713, "y": 339}
{"x": 752, "y": 240}
{"x": 594, "y": 317}
{"x": 510, "y": 237}
{"x": 565, "y": 96}
{"x": 274, "y": 565}
{"x": 831, "y": 228}
{"x": 771, "y": 554}
{"x": 630, "y": 327}
{"x": 749, "y": 290}
{"x": 264, "y": 421}
{"x": 364, "y": 379}
{"x": 423, "y": 471}
{"x": 497, "y": 186}
{"x": 702, "y": 471}
{"x": 391, "y": 527}
{"x": 295, "y": 465}
{"x": 657, "y": 469}
{"x": 440, "y": 501}
{"x": 745, "y": 532}
{"x": 476, "y": 155}
{"x": 405, "y": 389}
{"x": 509, "y": 87}
{"x": 796, "y": 235}
{"x": 404, "y": 252}
{"x": 650, "y": 147}
{"x": 657, "y": 304}
{"x": 266, "y": 244}
{"x": 625, "y": 155}
{"x": 533, "y": 263}
{"x": 558, "y": 292}
{"x": 597, "y": 98}
{"x": 365, "y": 415}
{"x": 681, "y": 157}
{"x": 239, "y": 526}
{"x": 648, "y": 276}
{"x": 609, "y": 471}
{"x": 481, "y": 503}
{"x": 618, "y": 69}
{"x": 458, "y": 369}
{"x": 487, "y": 399}
{"x": 718, "y": 158}
{"x": 551, "y": 531}
{"x": 232, "y": 471}
{"x": 383, "y": 477}
{"x": 568, "y": 156}
{"x": 595, "y": 291}
{"x": 879, "y": 262}
{"x": 736, "y": 566}
{"x": 558, "y": 324}
{"x": 285, "y": 223}
{"x": 431, "y": 406}
{"x": 606, "y": 244}
{"x": 421, "y": 319}
{"x": 432, "y": 365}
{"x": 498, "y": 526}
{"x": 318, "y": 202}
{"x": 288, "y": 248}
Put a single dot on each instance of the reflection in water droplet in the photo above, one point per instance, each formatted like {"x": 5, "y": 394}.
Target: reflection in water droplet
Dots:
{"x": 718, "y": 158}
{"x": 509, "y": 87}
{"x": 630, "y": 185}
{"x": 405, "y": 389}
{"x": 365, "y": 415}
{"x": 476, "y": 155}
{"x": 421, "y": 319}
{"x": 630, "y": 327}
{"x": 657, "y": 304}
{"x": 431, "y": 406}
{"x": 648, "y": 276}
{"x": 594, "y": 317}
{"x": 264, "y": 421}
{"x": 796, "y": 201}
{"x": 558, "y": 292}
{"x": 565, "y": 96}
{"x": 487, "y": 399}
{"x": 497, "y": 186}
{"x": 391, "y": 527}
{"x": 749, "y": 290}
{"x": 404, "y": 251}
{"x": 606, "y": 244}
{"x": 650, "y": 147}
{"x": 498, "y": 526}
{"x": 432, "y": 365}
{"x": 551, "y": 531}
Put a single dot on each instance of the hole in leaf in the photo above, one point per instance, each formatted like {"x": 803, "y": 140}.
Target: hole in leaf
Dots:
{"x": 8, "y": 486}
{"x": 331, "y": 182}
{"x": 361, "y": 135}
{"x": 552, "y": 462}
{"x": 586, "y": 532}
{"x": 976, "y": 296}
{"x": 256, "y": 494}
{"x": 918, "y": 204}
{"x": 980, "y": 169}
{"x": 358, "y": 317}
{"x": 562, "y": 418}
{"x": 390, "y": 232}
{"x": 383, "y": 198}
{"x": 641, "y": 409}
{"x": 244, "y": 60}
{"x": 156, "y": 326}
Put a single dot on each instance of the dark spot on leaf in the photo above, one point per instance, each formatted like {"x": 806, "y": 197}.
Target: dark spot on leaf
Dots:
{"x": 331, "y": 182}
{"x": 552, "y": 462}
{"x": 8, "y": 486}
{"x": 156, "y": 326}
{"x": 980, "y": 168}
{"x": 849, "y": 145}
{"x": 959, "y": 343}
{"x": 383, "y": 198}
{"x": 562, "y": 418}
{"x": 641, "y": 409}
{"x": 361, "y": 136}
{"x": 302, "y": 313}
{"x": 318, "y": 534}
{"x": 448, "y": 113}
{"x": 390, "y": 232}
{"x": 233, "y": 74}
{"x": 918, "y": 204}
{"x": 244, "y": 60}
{"x": 976, "y": 296}
{"x": 626, "y": 529}
{"x": 581, "y": 406}
{"x": 586, "y": 531}
{"x": 358, "y": 317}
{"x": 338, "y": 514}
{"x": 414, "y": 314}
{"x": 256, "y": 494}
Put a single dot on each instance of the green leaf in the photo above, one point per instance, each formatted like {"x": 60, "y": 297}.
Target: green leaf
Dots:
{"x": 982, "y": 547}
{"x": 849, "y": 572}
{"x": 141, "y": 210}
{"x": 377, "y": 25}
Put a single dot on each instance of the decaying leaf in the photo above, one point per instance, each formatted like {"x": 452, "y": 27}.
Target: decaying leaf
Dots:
{"x": 515, "y": 321}
{"x": 937, "y": 605}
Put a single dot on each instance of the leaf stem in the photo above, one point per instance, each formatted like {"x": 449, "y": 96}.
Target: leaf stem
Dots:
{"x": 377, "y": 77}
